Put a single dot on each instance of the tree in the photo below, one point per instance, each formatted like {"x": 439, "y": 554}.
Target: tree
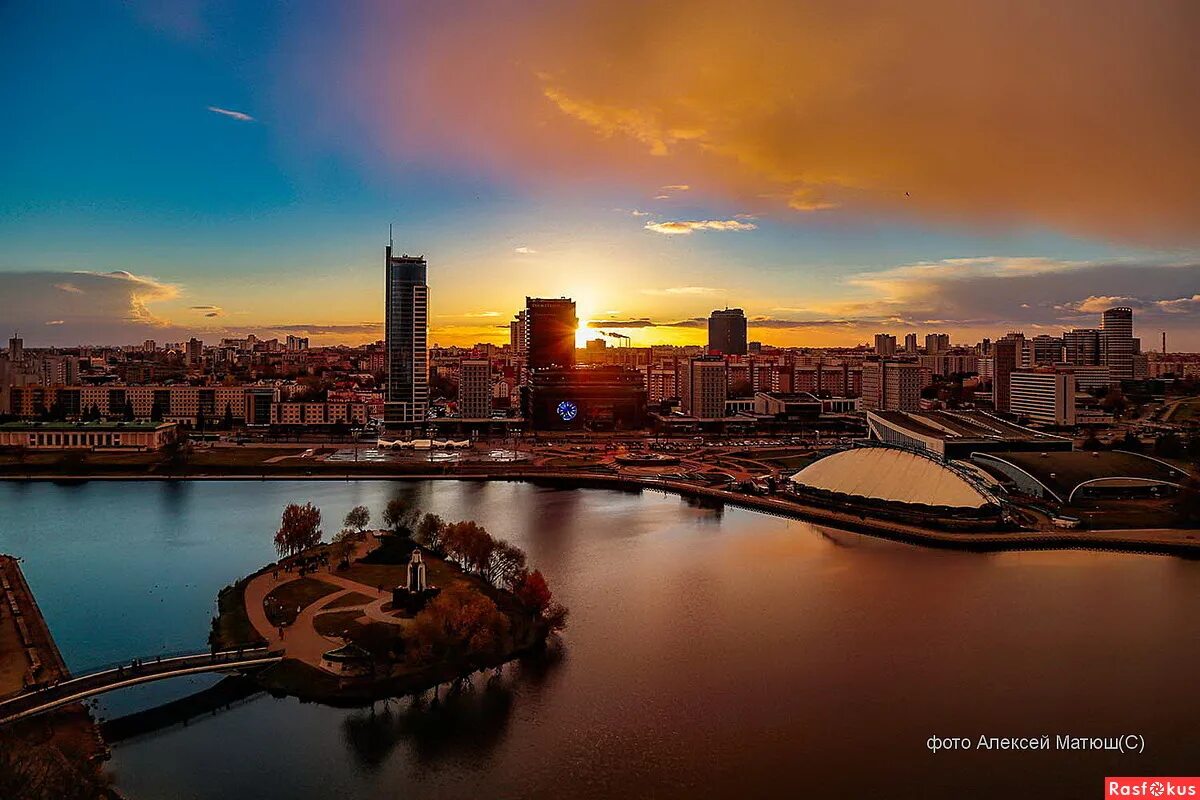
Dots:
{"x": 459, "y": 623}
{"x": 1187, "y": 503}
{"x": 299, "y": 528}
{"x": 532, "y": 590}
{"x": 429, "y": 532}
{"x": 342, "y": 546}
{"x": 227, "y": 420}
{"x": 128, "y": 412}
{"x": 177, "y": 451}
{"x": 43, "y": 772}
{"x": 507, "y": 561}
{"x": 1092, "y": 443}
{"x": 1131, "y": 443}
{"x": 156, "y": 412}
{"x": 1168, "y": 445}
{"x": 469, "y": 544}
{"x": 398, "y": 516}
{"x": 358, "y": 518}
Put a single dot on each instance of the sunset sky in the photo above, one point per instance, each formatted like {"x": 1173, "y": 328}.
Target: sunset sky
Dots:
{"x": 835, "y": 168}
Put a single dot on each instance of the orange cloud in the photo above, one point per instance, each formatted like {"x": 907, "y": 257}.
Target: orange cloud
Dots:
{"x": 1078, "y": 115}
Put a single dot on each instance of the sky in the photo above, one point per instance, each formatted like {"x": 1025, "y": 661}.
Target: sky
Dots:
{"x": 836, "y": 168}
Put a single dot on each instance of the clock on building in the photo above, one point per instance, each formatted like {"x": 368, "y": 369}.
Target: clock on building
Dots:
{"x": 567, "y": 410}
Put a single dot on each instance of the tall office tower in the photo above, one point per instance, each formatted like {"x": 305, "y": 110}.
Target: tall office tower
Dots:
{"x": 195, "y": 352}
{"x": 1116, "y": 342}
{"x": 937, "y": 343}
{"x": 296, "y": 343}
{"x": 475, "y": 388}
{"x": 885, "y": 345}
{"x": 516, "y": 334}
{"x": 1024, "y": 351}
{"x": 704, "y": 387}
{"x": 892, "y": 385}
{"x": 1082, "y": 347}
{"x": 1006, "y": 358}
{"x": 1047, "y": 349}
{"x": 727, "y": 332}
{"x": 550, "y": 326}
{"x": 910, "y": 343}
{"x": 406, "y": 334}
{"x": 16, "y": 349}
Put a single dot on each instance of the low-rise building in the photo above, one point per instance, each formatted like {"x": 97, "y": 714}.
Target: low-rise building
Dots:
{"x": 87, "y": 435}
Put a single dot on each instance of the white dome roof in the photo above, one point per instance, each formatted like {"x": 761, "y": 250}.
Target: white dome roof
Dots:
{"x": 885, "y": 473}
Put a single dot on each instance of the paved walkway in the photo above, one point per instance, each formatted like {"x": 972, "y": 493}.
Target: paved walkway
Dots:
{"x": 300, "y": 640}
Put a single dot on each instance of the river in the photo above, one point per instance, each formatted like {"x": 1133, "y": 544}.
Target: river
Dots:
{"x": 710, "y": 653}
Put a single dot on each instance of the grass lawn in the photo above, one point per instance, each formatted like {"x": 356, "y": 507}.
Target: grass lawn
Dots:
{"x": 233, "y": 625}
{"x": 336, "y": 624}
{"x": 352, "y": 599}
{"x": 284, "y": 603}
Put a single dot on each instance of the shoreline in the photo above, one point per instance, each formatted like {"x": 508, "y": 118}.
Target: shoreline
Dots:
{"x": 1165, "y": 541}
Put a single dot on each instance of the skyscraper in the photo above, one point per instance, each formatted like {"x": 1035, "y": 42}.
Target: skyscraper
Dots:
{"x": 516, "y": 334}
{"x": 1116, "y": 342}
{"x": 910, "y": 343}
{"x": 727, "y": 332}
{"x": 550, "y": 332}
{"x": 406, "y": 331}
{"x": 937, "y": 343}
{"x": 705, "y": 385}
{"x": 1082, "y": 347}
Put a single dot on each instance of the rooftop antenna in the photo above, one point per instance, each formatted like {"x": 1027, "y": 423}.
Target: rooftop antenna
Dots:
{"x": 390, "y": 234}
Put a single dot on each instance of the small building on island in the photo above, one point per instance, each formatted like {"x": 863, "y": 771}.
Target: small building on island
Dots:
{"x": 416, "y": 592}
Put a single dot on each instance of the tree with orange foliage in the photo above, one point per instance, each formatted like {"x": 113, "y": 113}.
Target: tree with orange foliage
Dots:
{"x": 300, "y": 528}
{"x": 457, "y": 624}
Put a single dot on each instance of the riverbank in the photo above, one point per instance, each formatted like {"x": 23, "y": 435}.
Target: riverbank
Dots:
{"x": 1156, "y": 541}
{"x": 345, "y": 639}
{"x": 29, "y": 657}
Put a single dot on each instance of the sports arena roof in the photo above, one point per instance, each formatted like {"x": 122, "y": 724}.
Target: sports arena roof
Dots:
{"x": 957, "y": 434}
{"x": 887, "y": 473}
{"x": 1061, "y": 474}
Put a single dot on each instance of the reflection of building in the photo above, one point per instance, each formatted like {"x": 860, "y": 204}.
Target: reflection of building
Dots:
{"x": 727, "y": 332}
{"x": 406, "y": 329}
{"x": 595, "y": 398}
{"x": 550, "y": 332}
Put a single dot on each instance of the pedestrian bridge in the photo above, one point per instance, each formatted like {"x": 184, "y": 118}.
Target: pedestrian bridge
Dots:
{"x": 90, "y": 684}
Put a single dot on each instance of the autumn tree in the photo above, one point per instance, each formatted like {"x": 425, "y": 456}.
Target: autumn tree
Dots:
{"x": 358, "y": 518}
{"x": 429, "y": 532}
{"x": 398, "y": 516}
{"x": 342, "y": 546}
{"x": 534, "y": 593}
{"x": 457, "y": 624}
{"x": 300, "y": 528}
{"x": 469, "y": 544}
{"x": 505, "y": 563}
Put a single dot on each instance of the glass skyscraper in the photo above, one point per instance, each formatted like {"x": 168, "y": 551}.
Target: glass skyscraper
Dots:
{"x": 406, "y": 330}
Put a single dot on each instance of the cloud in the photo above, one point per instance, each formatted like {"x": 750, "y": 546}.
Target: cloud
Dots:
{"x": 238, "y": 115}
{"x": 101, "y": 307}
{"x": 985, "y": 115}
{"x": 637, "y": 213}
{"x": 318, "y": 329}
{"x": 685, "y": 227}
{"x": 675, "y": 187}
{"x": 524, "y": 251}
{"x": 213, "y": 314}
{"x": 482, "y": 314}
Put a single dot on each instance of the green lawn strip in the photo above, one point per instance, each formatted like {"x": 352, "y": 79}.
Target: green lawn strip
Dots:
{"x": 284, "y": 603}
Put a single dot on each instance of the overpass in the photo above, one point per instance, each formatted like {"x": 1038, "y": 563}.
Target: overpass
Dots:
{"x": 80, "y": 687}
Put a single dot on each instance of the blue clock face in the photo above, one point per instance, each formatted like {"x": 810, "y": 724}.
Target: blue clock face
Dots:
{"x": 567, "y": 410}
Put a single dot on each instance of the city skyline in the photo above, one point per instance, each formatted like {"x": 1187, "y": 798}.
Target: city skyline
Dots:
{"x": 239, "y": 171}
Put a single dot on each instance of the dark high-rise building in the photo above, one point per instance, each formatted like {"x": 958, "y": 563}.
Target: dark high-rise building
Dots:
{"x": 1116, "y": 342}
{"x": 1007, "y": 357}
{"x": 550, "y": 332}
{"x": 727, "y": 332}
{"x": 1082, "y": 347}
{"x": 406, "y": 330}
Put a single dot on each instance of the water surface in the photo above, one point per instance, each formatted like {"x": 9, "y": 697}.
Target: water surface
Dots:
{"x": 711, "y": 653}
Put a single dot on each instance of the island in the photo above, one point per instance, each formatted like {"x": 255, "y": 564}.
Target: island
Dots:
{"x": 384, "y": 612}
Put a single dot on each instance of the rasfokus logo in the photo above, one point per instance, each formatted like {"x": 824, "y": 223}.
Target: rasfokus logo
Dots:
{"x": 1151, "y": 787}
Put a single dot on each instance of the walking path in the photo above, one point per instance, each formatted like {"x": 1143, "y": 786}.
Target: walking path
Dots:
{"x": 300, "y": 640}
